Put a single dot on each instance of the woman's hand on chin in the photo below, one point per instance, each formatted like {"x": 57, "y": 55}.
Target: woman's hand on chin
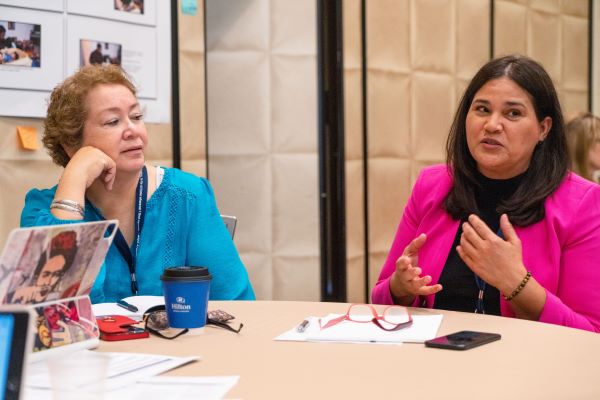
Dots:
{"x": 89, "y": 164}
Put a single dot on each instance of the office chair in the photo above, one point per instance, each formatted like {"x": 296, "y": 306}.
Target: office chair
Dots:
{"x": 230, "y": 223}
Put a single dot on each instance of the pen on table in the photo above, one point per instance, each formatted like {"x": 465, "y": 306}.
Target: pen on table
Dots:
{"x": 127, "y": 306}
{"x": 302, "y": 327}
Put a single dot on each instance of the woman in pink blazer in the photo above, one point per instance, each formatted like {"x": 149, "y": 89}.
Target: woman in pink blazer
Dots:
{"x": 503, "y": 228}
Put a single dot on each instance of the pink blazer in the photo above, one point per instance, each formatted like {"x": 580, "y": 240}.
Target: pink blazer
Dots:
{"x": 562, "y": 251}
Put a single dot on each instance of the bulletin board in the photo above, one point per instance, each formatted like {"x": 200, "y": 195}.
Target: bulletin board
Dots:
{"x": 41, "y": 43}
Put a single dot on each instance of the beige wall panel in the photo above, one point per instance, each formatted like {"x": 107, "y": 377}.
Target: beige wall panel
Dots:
{"x": 17, "y": 178}
{"x": 389, "y": 188}
{"x": 196, "y": 167}
{"x": 246, "y": 192}
{"x": 352, "y": 34}
{"x": 433, "y": 35}
{"x": 260, "y": 268}
{"x": 242, "y": 113}
{"x": 295, "y": 207}
{"x": 433, "y": 98}
{"x": 376, "y": 261}
{"x": 574, "y": 51}
{"x": 293, "y": 104}
{"x": 240, "y": 25}
{"x": 289, "y": 33}
{"x": 573, "y": 101}
{"x": 461, "y": 86}
{"x": 192, "y": 116}
{"x": 545, "y": 28}
{"x": 511, "y": 28}
{"x": 10, "y": 147}
{"x": 263, "y": 130}
{"x": 191, "y": 30}
{"x": 579, "y": 8}
{"x": 551, "y": 6}
{"x": 389, "y": 114}
{"x": 355, "y": 280}
{"x": 353, "y": 141}
{"x": 388, "y": 33}
{"x": 472, "y": 37}
{"x": 295, "y": 277}
{"x": 160, "y": 140}
{"x": 355, "y": 229}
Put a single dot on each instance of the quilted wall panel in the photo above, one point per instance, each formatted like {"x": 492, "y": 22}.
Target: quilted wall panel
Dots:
{"x": 262, "y": 138}
{"x": 553, "y": 32}
{"x": 420, "y": 54}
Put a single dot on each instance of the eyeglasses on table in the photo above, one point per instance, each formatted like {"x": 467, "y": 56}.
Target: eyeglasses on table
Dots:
{"x": 156, "y": 322}
{"x": 392, "y": 318}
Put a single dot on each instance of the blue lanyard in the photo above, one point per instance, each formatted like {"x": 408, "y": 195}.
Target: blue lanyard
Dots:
{"x": 479, "y": 306}
{"x": 128, "y": 255}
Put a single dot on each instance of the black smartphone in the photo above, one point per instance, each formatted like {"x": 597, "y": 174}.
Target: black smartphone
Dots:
{"x": 462, "y": 340}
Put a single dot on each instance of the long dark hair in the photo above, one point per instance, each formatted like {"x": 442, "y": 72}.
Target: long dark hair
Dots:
{"x": 550, "y": 159}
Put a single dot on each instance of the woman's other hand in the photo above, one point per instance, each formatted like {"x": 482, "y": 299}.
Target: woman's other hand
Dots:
{"x": 85, "y": 166}
{"x": 88, "y": 164}
{"x": 497, "y": 261}
{"x": 406, "y": 282}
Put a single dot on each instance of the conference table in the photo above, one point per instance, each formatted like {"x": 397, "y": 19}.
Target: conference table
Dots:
{"x": 532, "y": 360}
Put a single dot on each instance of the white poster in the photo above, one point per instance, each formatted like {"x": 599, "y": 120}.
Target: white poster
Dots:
{"x": 50, "y": 5}
{"x": 99, "y": 41}
{"x": 37, "y": 56}
{"x": 31, "y": 48}
{"x": 136, "y": 11}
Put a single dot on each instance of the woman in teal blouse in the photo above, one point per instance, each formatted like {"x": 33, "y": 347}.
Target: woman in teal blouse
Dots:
{"x": 95, "y": 130}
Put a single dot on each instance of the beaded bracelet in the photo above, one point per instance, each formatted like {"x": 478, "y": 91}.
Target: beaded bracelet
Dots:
{"x": 519, "y": 288}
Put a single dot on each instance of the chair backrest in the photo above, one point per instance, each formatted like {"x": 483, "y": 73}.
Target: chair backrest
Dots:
{"x": 230, "y": 223}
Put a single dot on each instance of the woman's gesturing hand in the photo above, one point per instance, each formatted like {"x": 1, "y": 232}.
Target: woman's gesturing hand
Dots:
{"x": 497, "y": 261}
{"x": 406, "y": 282}
{"x": 90, "y": 163}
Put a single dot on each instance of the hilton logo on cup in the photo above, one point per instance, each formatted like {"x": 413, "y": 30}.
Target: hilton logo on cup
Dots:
{"x": 186, "y": 292}
{"x": 180, "y": 306}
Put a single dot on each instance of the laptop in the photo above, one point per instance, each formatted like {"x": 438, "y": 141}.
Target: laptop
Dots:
{"x": 15, "y": 345}
{"x": 51, "y": 271}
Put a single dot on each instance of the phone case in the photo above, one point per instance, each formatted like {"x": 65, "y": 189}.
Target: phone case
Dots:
{"x": 462, "y": 340}
{"x": 119, "y": 327}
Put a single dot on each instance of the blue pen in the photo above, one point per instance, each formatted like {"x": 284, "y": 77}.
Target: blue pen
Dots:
{"x": 127, "y": 306}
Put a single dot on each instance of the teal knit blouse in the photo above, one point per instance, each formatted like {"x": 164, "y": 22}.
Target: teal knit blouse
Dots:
{"x": 182, "y": 227}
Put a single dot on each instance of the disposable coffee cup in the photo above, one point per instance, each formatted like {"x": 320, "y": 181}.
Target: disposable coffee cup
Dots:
{"x": 186, "y": 292}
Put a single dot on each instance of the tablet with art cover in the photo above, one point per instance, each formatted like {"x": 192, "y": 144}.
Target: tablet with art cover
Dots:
{"x": 52, "y": 270}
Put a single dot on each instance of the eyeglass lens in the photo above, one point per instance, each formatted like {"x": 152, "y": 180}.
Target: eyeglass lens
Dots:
{"x": 365, "y": 313}
{"x": 395, "y": 315}
{"x": 361, "y": 313}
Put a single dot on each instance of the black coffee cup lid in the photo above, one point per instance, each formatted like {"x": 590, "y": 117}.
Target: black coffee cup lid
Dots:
{"x": 186, "y": 273}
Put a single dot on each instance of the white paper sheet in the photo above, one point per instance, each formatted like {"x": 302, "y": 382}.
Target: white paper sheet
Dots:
{"x": 124, "y": 368}
{"x": 141, "y": 302}
{"x": 161, "y": 388}
{"x": 424, "y": 327}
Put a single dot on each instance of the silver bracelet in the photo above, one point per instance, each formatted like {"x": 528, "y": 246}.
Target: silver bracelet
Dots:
{"x": 68, "y": 205}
